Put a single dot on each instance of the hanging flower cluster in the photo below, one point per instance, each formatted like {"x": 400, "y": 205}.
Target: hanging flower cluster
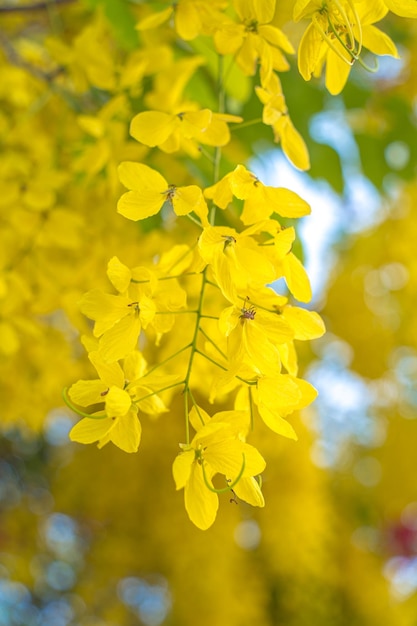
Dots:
{"x": 201, "y": 322}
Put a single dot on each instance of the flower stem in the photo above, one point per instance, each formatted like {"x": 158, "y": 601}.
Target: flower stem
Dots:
{"x": 172, "y": 356}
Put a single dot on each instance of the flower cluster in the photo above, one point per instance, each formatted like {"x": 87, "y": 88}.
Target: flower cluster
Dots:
{"x": 201, "y": 319}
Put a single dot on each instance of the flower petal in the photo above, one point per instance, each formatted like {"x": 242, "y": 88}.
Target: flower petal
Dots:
{"x": 90, "y": 430}
{"x": 126, "y": 432}
{"x": 201, "y": 504}
{"x": 181, "y": 468}
{"x": 153, "y": 127}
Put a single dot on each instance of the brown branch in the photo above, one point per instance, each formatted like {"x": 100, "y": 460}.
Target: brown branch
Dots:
{"x": 36, "y": 6}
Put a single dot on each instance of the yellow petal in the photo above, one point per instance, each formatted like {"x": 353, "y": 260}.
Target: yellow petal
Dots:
{"x": 261, "y": 354}
{"x": 137, "y": 176}
{"x": 307, "y": 391}
{"x": 90, "y": 430}
{"x": 292, "y": 143}
{"x": 134, "y": 366}
{"x": 126, "y": 432}
{"x": 199, "y": 418}
{"x": 110, "y": 373}
{"x": 192, "y": 123}
{"x": 248, "y": 490}
{"x": 286, "y": 203}
{"x": 277, "y": 424}
{"x": 264, "y": 10}
{"x": 187, "y": 199}
{"x": 278, "y": 393}
{"x": 306, "y": 324}
{"x": 118, "y": 402}
{"x": 220, "y": 193}
{"x": 283, "y": 241}
{"x": 378, "y": 42}
{"x": 153, "y": 127}
{"x": 216, "y": 134}
{"x": 225, "y": 456}
{"x": 119, "y": 275}
{"x": 276, "y": 37}
{"x": 309, "y": 51}
{"x": 181, "y": 468}
{"x": 296, "y": 278}
{"x": 276, "y": 328}
{"x": 103, "y": 307}
{"x": 288, "y": 356}
{"x": 243, "y": 183}
{"x": 404, "y": 8}
{"x": 337, "y": 72}
{"x": 86, "y": 392}
{"x": 229, "y": 38}
{"x": 371, "y": 11}
{"x": 138, "y": 205}
{"x": 299, "y": 8}
{"x": 201, "y": 504}
{"x": 120, "y": 340}
{"x": 187, "y": 21}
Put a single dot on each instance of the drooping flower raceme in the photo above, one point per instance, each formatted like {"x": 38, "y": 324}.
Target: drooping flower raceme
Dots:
{"x": 335, "y": 36}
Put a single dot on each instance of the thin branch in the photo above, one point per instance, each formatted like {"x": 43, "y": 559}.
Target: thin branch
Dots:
{"x": 35, "y": 6}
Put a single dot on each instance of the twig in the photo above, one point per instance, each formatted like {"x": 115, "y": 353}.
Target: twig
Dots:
{"x": 36, "y": 6}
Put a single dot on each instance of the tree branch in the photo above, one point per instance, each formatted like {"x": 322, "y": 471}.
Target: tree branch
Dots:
{"x": 36, "y": 6}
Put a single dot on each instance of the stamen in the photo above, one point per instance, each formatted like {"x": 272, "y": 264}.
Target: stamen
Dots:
{"x": 329, "y": 42}
{"x": 348, "y": 25}
{"x": 358, "y": 24}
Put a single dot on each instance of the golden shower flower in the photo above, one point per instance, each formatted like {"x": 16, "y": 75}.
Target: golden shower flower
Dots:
{"x": 338, "y": 31}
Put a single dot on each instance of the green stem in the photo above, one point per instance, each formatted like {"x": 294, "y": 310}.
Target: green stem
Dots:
{"x": 243, "y": 380}
{"x": 187, "y": 421}
{"x": 188, "y": 311}
{"x": 213, "y": 343}
{"x": 197, "y": 408}
{"x": 195, "y": 335}
{"x": 194, "y": 220}
{"x": 206, "y": 356}
{"x": 154, "y": 393}
{"x": 144, "y": 282}
{"x": 251, "y": 408}
{"x": 237, "y": 127}
{"x": 172, "y": 356}
{"x": 71, "y": 406}
{"x": 218, "y": 150}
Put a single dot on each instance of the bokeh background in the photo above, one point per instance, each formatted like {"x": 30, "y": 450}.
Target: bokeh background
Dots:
{"x": 101, "y": 538}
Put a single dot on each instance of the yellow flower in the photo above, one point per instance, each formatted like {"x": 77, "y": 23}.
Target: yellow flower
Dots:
{"x": 235, "y": 259}
{"x": 253, "y": 39}
{"x": 122, "y": 398}
{"x": 191, "y": 17}
{"x": 260, "y": 200}
{"x": 280, "y": 395}
{"x": 275, "y": 114}
{"x": 217, "y": 448}
{"x": 119, "y": 318}
{"x": 185, "y": 129}
{"x": 253, "y": 336}
{"x": 149, "y": 191}
{"x": 335, "y": 37}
